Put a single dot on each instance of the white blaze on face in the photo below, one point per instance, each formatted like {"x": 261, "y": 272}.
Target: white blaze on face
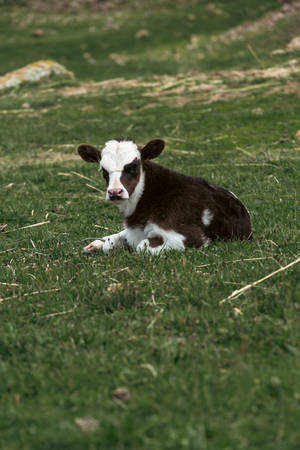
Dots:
{"x": 114, "y": 157}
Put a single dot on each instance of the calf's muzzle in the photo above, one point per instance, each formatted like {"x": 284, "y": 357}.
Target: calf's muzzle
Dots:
{"x": 115, "y": 194}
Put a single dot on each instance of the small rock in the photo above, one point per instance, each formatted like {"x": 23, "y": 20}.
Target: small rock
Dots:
{"x": 114, "y": 287}
{"x": 121, "y": 394}
{"x": 293, "y": 62}
{"x": 211, "y": 7}
{"x": 38, "y": 33}
{"x": 257, "y": 111}
{"x": 118, "y": 58}
{"x": 33, "y": 72}
{"x": 142, "y": 34}
{"x": 88, "y": 57}
{"x": 88, "y": 108}
{"x": 278, "y": 51}
{"x": 275, "y": 381}
{"x": 58, "y": 209}
{"x": 294, "y": 44}
{"x": 237, "y": 312}
{"x": 86, "y": 423}
{"x": 194, "y": 42}
{"x": 3, "y": 227}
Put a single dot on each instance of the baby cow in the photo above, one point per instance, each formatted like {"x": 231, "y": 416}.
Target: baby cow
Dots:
{"x": 163, "y": 209}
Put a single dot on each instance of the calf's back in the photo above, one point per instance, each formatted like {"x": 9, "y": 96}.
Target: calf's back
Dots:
{"x": 190, "y": 206}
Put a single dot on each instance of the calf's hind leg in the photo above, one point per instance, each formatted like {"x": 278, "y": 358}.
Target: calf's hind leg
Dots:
{"x": 159, "y": 239}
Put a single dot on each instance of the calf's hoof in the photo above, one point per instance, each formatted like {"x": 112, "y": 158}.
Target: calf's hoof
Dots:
{"x": 93, "y": 247}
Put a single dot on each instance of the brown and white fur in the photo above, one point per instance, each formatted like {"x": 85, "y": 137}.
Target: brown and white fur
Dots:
{"x": 163, "y": 209}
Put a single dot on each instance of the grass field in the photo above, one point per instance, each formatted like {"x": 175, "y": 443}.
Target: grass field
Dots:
{"x": 196, "y": 374}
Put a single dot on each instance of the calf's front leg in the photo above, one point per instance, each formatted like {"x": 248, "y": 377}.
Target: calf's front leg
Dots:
{"x": 106, "y": 244}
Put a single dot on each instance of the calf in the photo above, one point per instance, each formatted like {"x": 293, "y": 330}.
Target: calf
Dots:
{"x": 163, "y": 209}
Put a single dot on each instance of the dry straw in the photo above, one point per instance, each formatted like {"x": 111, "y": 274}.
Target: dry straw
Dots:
{"x": 239, "y": 292}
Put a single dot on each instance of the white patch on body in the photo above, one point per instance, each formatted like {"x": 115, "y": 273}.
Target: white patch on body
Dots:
{"x": 134, "y": 236}
{"x": 171, "y": 240}
{"x": 207, "y": 217}
{"x": 144, "y": 246}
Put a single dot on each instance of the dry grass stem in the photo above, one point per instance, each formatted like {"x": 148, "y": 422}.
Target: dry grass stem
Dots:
{"x": 61, "y": 313}
{"x": 254, "y": 54}
{"x": 29, "y": 294}
{"x": 238, "y": 260}
{"x": 81, "y": 176}
{"x": 96, "y": 189}
{"x": 238, "y": 292}
{"x": 150, "y": 368}
{"x": 245, "y": 152}
{"x": 184, "y": 152}
{"x": 8, "y": 250}
{"x": 262, "y": 164}
{"x": 29, "y": 226}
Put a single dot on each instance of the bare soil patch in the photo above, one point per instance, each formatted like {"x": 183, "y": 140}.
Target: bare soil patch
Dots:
{"x": 266, "y": 22}
{"x": 201, "y": 87}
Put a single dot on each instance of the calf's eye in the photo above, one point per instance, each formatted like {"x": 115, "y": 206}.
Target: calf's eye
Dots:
{"x": 131, "y": 169}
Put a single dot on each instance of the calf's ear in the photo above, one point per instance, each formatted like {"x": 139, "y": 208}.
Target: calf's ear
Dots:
{"x": 153, "y": 149}
{"x": 89, "y": 153}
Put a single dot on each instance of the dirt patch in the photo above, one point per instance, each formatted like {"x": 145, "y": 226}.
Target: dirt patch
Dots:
{"x": 290, "y": 88}
{"x": 52, "y": 157}
{"x": 273, "y": 72}
{"x": 74, "y": 5}
{"x": 294, "y": 44}
{"x": 266, "y": 22}
{"x": 27, "y": 112}
{"x": 90, "y": 88}
{"x": 203, "y": 88}
{"x": 47, "y": 157}
{"x": 212, "y": 8}
{"x": 80, "y": 90}
{"x": 194, "y": 82}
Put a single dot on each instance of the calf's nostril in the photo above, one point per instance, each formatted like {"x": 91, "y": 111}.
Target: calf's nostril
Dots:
{"x": 115, "y": 192}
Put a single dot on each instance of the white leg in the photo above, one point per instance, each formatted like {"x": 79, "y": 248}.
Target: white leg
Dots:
{"x": 171, "y": 240}
{"x": 106, "y": 244}
{"x": 144, "y": 246}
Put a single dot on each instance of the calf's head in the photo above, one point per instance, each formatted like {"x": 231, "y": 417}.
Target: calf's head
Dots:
{"x": 122, "y": 165}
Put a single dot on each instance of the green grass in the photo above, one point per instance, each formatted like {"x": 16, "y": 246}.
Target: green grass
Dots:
{"x": 200, "y": 375}
{"x": 87, "y": 42}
